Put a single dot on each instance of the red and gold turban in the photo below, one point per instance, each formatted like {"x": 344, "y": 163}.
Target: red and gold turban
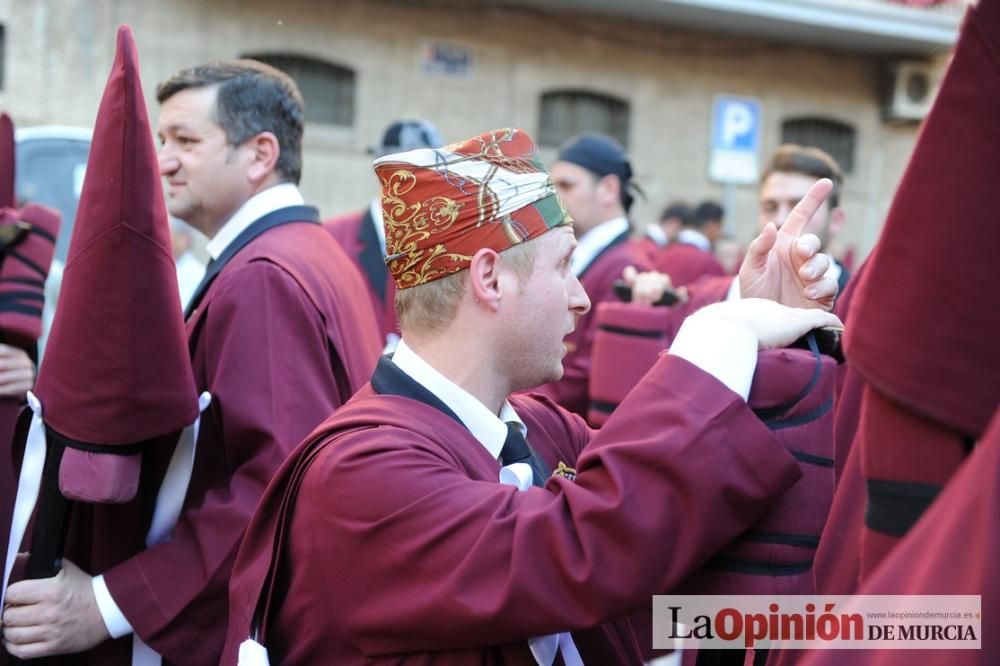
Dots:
{"x": 440, "y": 206}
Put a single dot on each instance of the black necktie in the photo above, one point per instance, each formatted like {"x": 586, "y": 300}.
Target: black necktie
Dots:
{"x": 516, "y": 450}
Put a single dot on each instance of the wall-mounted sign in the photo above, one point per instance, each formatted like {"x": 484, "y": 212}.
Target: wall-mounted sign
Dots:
{"x": 448, "y": 59}
{"x": 735, "y": 143}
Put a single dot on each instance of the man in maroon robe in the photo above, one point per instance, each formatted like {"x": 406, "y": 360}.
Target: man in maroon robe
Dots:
{"x": 658, "y": 236}
{"x": 17, "y": 367}
{"x": 690, "y": 256}
{"x": 361, "y": 235}
{"x": 930, "y": 385}
{"x": 594, "y": 180}
{"x": 280, "y": 333}
{"x": 914, "y": 512}
{"x": 418, "y": 523}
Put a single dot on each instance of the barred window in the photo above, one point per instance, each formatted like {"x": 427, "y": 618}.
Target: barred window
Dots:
{"x": 327, "y": 89}
{"x": 569, "y": 112}
{"x": 836, "y": 138}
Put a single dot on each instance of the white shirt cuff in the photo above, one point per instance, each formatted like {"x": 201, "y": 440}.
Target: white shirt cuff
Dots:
{"x": 734, "y": 290}
{"x": 723, "y": 349}
{"x": 114, "y": 621}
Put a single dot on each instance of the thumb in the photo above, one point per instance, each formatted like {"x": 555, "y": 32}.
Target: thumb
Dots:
{"x": 761, "y": 245}
{"x": 629, "y": 275}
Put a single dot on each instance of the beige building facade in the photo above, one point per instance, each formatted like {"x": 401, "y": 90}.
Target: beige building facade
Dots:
{"x": 474, "y": 65}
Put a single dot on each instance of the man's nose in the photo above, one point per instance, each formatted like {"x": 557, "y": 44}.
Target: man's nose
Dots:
{"x": 579, "y": 302}
{"x": 167, "y": 161}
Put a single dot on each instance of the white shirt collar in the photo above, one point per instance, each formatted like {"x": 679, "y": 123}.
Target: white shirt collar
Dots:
{"x": 694, "y": 237}
{"x": 375, "y": 208}
{"x": 594, "y": 241}
{"x": 488, "y": 428}
{"x": 254, "y": 208}
{"x": 656, "y": 233}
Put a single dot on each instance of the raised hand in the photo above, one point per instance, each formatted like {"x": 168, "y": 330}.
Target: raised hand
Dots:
{"x": 785, "y": 266}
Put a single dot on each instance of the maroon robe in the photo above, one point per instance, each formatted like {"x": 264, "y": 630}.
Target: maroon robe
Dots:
{"x": 792, "y": 393}
{"x": 926, "y": 355}
{"x": 404, "y": 545}
{"x": 649, "y": 247}
{"x": 598, "y": 281}
{"x": 281, "y": 340}
{"x": 950, "y": 550}
{"x": 357, "y": 235}
{"x": 685, "y": 263}
{"x": 836, "y": 565}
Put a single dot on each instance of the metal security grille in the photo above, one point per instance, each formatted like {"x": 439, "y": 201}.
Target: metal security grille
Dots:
{"x": 327, "y": 89}
{"x": 569, "y": 112}
{"x": 836, "y": 138}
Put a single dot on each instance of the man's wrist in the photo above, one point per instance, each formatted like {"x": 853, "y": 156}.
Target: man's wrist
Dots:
{"x": 114, "y": 620}
{"x": 724, "y": 349}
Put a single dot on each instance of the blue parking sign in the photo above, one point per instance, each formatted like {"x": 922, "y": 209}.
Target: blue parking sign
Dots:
{"x": 735, "y": 142}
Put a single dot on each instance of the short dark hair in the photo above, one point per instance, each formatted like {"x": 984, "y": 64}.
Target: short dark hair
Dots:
{"x": 253, "y": 97}
{"x": 808, "y": 161}
{"x": 679, "y": 210}
{"x": 706, "y": 212}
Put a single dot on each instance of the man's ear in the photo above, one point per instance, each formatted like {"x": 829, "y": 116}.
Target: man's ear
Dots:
{"x": 609, "y": 189}
{"x": 484, "y": 279}
{"x": 264, "y": 152}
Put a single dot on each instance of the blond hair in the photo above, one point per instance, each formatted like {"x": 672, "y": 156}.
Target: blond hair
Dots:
{"x": 432, "y": 306}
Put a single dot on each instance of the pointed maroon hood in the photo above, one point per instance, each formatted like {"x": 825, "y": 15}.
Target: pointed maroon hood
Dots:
{"x": 116, "y": 368}
{"x": 925, "y": 316}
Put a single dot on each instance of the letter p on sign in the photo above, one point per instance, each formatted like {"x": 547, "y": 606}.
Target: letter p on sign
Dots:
{"x": 737, "y": 122}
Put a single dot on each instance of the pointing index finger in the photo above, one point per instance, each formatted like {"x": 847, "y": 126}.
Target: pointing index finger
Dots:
{"x": 805, "y": 209}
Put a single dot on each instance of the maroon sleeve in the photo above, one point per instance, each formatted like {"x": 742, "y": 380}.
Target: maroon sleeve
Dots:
{"x": 449, "y": 562}
{"x": 266, "y": 358}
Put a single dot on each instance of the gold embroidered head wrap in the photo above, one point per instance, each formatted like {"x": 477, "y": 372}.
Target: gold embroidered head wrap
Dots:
{"x": 440, "y": 206}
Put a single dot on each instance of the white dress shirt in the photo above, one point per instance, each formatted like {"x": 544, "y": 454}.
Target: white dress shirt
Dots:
{"x": 657, "y": 234}
{"x": 694, "y": 237}
{"x": 254, "y": 208}
{"x": 488, "y": 428}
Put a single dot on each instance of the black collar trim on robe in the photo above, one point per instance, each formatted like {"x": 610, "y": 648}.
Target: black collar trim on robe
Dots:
{"x": 390, "y": 380}
{"x": 617, "y": 240}
{"x": 371, "y": 257}
{"x": 269, "y": 221}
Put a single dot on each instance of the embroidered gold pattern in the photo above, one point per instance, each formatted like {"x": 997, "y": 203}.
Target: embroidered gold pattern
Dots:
{"x": 407, "y": 225}
{"x": 565, "y": 471}
{"x": 431, "y": 203}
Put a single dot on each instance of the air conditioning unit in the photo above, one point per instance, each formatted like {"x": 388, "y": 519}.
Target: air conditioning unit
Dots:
{"x": 909, "y": 90}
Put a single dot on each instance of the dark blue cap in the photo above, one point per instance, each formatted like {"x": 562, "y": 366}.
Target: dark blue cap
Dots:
{"x": 406, "y": 135}
{"x": 597, "y": 153}
{"x": 602, "y": 156}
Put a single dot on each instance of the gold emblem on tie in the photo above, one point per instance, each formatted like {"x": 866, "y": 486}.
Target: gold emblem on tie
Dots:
{"x": 565, "y": 471}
